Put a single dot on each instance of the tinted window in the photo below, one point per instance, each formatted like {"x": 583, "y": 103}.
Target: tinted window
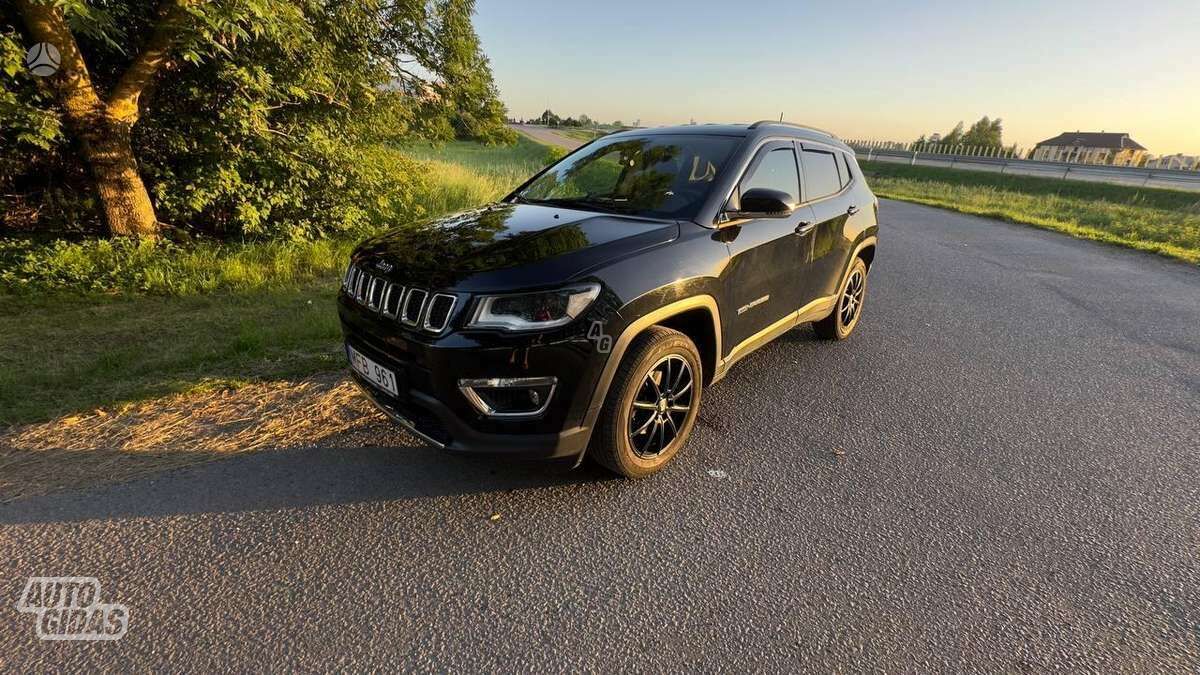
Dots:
{"x": 776, "y": 171}
{"x": 848, "y": 172}
{"x": 658, "y": 175}
{"x": 821, "y": 174}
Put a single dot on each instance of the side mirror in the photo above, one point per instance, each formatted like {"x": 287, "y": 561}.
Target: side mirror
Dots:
{"x": 764, "y": 203}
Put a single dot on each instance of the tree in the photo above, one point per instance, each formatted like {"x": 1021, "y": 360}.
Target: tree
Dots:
{"x": 467, "y": 84}
{"x": 985, "y": 133}
{"x": 236, "y": 114}
{"x": 103, "y": 124}
{"x": 955, "y": 137}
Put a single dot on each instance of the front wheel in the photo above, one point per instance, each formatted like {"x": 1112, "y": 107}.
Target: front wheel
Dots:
{"x": 848, "y": 310}
{"x": 651, "y": 406}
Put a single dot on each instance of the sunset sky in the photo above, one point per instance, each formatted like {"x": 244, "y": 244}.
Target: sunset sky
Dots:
{"x": 879, "y": 70}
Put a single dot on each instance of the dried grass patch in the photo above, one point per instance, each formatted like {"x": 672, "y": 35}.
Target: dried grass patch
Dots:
{"x": 134, "y": 440}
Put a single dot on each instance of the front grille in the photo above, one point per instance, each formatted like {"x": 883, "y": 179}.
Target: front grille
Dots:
{"x": 412, "y": 306}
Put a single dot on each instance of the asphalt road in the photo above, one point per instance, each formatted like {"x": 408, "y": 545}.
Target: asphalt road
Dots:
{"x": 1000, "y": 471}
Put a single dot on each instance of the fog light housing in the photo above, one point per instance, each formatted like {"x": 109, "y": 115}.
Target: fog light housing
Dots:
{"x": 509, "y": 397}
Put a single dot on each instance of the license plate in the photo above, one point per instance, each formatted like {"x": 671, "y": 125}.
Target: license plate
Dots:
{"x": 373, "y": 372}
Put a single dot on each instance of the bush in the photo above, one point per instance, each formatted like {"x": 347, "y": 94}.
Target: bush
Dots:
{"x": 387, "y": 189}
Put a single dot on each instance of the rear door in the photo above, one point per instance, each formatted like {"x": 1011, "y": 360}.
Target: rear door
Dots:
{"x": 827, "y": 183}
{"x": 766, "y": 254}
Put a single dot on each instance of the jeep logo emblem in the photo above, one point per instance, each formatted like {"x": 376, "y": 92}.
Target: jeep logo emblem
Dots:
{"x": 384, "y": 266}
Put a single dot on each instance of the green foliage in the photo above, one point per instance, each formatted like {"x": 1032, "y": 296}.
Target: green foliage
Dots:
{"x": 253, "y": 128}
{"x": 985, "y": 133}
{"x": 450, "y": 178}
{"x": 954, "y": 137}
{"x": 1166, "y": 222}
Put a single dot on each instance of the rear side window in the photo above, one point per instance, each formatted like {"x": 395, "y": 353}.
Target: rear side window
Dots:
{"x": 848, "y": 172}
{"x": 821, "y": 174}
{"x": 776, "y": 171}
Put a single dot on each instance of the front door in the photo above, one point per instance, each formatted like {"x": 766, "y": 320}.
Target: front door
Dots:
{"x": 767, "y": 255}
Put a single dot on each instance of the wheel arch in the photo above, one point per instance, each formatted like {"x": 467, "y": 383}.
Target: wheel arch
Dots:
{"x": 867, "y": 253}
{"x": 698, "y": 313}
{"x": 864, "y": 249}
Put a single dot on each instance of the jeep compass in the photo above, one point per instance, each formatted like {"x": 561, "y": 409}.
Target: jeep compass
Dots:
{"x": 587, "y": 312}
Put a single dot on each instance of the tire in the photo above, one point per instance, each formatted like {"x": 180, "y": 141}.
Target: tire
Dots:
{"x": 616, "y": 443}
{"x": 850, "y": 299}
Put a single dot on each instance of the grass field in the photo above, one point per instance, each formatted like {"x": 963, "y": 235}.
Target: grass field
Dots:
{"x": 61, "y": 354}
{"x": 1166, "y": 222}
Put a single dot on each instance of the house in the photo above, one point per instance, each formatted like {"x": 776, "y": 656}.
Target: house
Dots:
{"x": 1091, "y": 147}
{"x": 1176, "y": 161}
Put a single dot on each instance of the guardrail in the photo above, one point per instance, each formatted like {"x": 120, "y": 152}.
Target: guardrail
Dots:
{"x": 1172, "y": 179}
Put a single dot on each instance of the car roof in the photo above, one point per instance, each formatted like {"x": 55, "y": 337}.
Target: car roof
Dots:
{"x": 757, "y": 129}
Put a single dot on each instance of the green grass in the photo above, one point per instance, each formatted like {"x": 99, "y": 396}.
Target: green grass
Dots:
{"x": 62, "y": 354}
{"x": 1166, "y": 222}
{"x": 178, "y": 319}
{"x": 509, "y": 165}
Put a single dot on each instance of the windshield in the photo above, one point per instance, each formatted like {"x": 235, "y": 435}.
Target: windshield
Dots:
{"x": 658, "y": 176}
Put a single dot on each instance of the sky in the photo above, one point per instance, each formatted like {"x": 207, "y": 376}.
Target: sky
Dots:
{"x": 863, "y": 70}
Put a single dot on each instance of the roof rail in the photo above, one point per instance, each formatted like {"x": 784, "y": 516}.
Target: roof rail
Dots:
{"x": 793, "y": 124}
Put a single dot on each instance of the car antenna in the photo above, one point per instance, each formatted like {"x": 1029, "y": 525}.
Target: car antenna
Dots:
{"x": 781, "y": 117}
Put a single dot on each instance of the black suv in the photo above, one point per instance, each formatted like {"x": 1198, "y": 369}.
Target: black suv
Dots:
{"x": 592, "y": 306}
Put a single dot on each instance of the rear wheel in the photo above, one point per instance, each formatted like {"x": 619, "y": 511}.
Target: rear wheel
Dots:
{"x": 848, "y": 310}
{"x": 651, "y": 406}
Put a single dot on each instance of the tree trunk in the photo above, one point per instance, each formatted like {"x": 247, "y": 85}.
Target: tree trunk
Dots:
{"x": 109, "y": 153}
{"x": 103, "y": 129}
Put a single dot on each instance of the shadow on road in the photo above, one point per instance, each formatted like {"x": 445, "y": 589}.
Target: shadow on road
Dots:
{"x": 344, "y": 469}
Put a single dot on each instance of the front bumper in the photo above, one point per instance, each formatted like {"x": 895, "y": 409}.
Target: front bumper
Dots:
{"x": 431, "y": 406}
{"x": 446, "y": 432}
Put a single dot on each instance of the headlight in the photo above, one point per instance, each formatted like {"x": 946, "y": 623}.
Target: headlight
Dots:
{"x": 533, "y": 311}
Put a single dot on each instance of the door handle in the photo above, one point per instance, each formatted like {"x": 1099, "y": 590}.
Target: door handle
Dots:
{"x": 805, "y": 227}
{"x": 852, "y": 210}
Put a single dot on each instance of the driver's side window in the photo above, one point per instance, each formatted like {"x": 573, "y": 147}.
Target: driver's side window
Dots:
{"x": 776, "y": 171}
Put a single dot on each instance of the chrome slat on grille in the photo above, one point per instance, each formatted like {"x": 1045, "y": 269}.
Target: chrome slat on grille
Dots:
{"x": 414, "y": 305}
{"x": 391, "y": 301}
{"x": 360, "y": 286}
{"x": 375, "y": 293}
{"x": 438, "y": 315}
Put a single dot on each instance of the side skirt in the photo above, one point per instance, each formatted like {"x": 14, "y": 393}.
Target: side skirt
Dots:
{"x": 813, "y": 311}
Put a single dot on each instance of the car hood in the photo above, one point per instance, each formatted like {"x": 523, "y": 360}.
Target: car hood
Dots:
{"x": 509, "y": 246}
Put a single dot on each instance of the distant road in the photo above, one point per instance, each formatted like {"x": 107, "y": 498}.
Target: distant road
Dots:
{"x": 548, "y": 136}
{"x": 1170, "y": 179}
